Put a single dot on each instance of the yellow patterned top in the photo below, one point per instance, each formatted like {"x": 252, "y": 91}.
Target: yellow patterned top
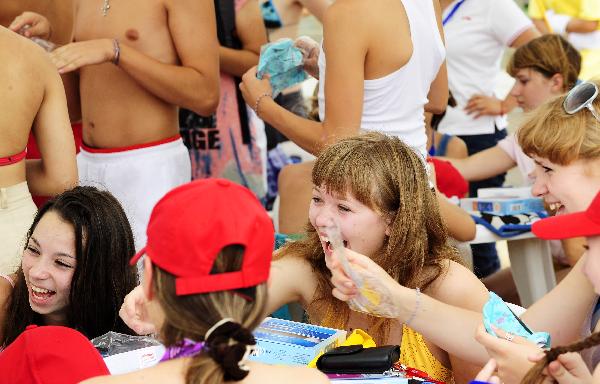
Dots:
{"x": 415, "y": 354}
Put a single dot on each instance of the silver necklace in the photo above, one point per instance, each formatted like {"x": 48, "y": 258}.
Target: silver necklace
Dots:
{"x": 105, "y": 7}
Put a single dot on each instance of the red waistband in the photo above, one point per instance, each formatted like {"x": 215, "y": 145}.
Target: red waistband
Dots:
{"x": 13, "y": 159}
{"x": 131, "y": 147}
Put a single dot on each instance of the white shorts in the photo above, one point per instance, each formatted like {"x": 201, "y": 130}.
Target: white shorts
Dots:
{"x": 138, "y": 178}
{"x": 17, "y": 211}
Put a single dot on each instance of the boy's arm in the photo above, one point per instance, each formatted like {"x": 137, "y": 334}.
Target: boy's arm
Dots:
{"x": 252, "y": 33}
{"x": 193, "y": 85}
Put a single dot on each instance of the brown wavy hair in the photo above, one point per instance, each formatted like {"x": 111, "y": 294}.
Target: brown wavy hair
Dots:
{"x": 548, "y": 55}
{"x": 190, "y": 316}
{"x": 387, "y": 176}
{"x": 535, "y": 374}
{"x": 551, "y": 133}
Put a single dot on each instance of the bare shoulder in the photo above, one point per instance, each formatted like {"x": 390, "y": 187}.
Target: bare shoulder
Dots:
{"x": 5, "y": 291}
{"x": 172, "y": 371}
{"x": 294, "y": 277}
{"x": 292, "y": 265}
{"x": 260, "y": 373}
{"x": 458, "y": 286}
{"x": 344, "y": 10}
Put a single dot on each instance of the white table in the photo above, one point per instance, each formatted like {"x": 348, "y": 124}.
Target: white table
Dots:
{"x": 530, "y": 263}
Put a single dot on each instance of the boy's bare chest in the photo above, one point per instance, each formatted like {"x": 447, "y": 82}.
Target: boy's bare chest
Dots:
{"x": 140, "y": 23}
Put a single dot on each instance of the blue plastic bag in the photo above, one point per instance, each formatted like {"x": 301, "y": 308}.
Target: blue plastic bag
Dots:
{"x": 497, "y": 313}
{"x": 283, "y": 62}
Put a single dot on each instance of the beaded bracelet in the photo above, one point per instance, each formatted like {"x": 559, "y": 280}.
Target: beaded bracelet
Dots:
{"x": 417, "y": 306}
{"x": 117, "y": 52}
{"x": 258, "y": 99}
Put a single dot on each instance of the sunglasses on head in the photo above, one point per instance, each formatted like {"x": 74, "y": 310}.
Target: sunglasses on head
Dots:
{"x": 581, "y": 96}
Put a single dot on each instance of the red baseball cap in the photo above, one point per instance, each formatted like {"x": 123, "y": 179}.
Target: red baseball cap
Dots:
{"x": 586, "y": 223}
{"x": 50, "y": 355}
{"x": 192, "y": 223}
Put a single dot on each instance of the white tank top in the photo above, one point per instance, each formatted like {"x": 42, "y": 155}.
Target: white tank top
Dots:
{"x": 394, "y": 104}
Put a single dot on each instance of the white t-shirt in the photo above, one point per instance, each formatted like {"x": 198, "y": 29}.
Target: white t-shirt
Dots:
{"x": 524, "y": 162}
{"x": 476, "y": 36}
{"x": 394, "y": 104}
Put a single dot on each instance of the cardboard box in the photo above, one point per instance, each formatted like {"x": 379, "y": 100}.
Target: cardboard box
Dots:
{"x": 502, "y": 206}
{"x": 285, "y": 342}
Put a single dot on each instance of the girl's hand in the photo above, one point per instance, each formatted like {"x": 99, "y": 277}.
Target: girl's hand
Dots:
{"x": 134, "y": 313}
{"x": 487, "y": 373}
{"x": 568, "y": 368}
{"x": 512, "y": 357}
{"x": 73, "y": 56}
{"x": 376, "y": 294}
{"x": 31, "y": 24}
{"x": 310, "y": 51}
{"x": 481, "y": 105}
{"x": 252, "y": 87}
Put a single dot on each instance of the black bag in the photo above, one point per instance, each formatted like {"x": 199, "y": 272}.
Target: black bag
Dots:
{"x": 356, "y": 359}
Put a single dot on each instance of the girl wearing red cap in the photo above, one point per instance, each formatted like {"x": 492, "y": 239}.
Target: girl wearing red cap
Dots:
{"x": 74, "y": 269}
{"x": 205, "y": 287}
{"x": 563, "y": 138}
{"x": 376, "y": 188}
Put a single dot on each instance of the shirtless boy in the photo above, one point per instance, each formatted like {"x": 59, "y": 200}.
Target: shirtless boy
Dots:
{"x": 138, "y": 60}
{"x": 32, "y": 98}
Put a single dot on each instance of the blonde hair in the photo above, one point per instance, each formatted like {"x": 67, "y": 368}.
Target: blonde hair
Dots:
{"x": 553, "y": 134}
{"x": 548, "y": 55}
{"x": 191, "y": 316}
{"x": 389, "y": 177}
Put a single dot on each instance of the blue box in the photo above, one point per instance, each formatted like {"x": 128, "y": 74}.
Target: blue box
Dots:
{"x": 503, "y": 206}
{"x": 285, "y": 342}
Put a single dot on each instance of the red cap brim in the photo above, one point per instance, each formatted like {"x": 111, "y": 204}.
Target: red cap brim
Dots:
{"x": 137, "y": 256}
{"x": 565, "y": 226}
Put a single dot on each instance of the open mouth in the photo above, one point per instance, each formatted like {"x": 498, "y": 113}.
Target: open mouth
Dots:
{"x": 556, "y": 208}
{"x": 330, "y": 247}
{"x": 41, "y": 293}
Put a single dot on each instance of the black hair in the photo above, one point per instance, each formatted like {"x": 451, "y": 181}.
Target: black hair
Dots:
{"x": 102, "y": 276}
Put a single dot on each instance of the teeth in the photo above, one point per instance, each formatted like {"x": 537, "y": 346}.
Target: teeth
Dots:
{"x": 555, "y": 206}
{"x": 39, "y": 290}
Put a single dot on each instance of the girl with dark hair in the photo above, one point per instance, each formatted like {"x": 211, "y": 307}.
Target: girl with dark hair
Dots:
{"x": 74, "y": 269}
{"x": 205, "y": 287}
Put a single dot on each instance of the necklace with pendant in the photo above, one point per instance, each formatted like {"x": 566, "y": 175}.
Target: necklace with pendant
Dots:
{"x": 105, "y": 7}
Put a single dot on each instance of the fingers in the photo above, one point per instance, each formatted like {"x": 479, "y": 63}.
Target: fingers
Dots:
{"x": 19, "y": 22}
{"x": 491, "y": 343}
{"x": 513, "y": 338}
{"x": 252, "y": 71}
{"x": 340, "y": 295}
{"x": 134, "y": 314}
{"x": 537, "y": 357}
{"x": 559, "y": 373}
{"x": 31, "y": 24}
{"x": 487, "y": 371}
{"x": 574, "y": 364}
{"x": 343, "y": 283}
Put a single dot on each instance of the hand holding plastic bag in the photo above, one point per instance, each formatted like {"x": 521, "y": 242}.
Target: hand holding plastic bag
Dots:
{"x": 283, "y": 63}
{"x": 359, "y": 281}
{"x": 310, "y": 52}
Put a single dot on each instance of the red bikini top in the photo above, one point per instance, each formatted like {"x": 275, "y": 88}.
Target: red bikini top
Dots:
{"x": 13, "y": 159}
